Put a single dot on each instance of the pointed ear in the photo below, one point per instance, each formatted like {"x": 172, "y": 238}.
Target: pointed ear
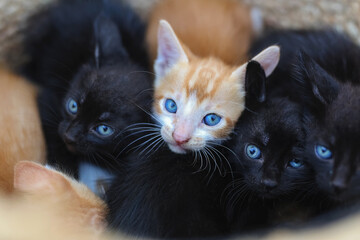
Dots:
{"x": 268, "y": 59}
{"x": 108, "y": 43}
{"x": 255, "y": 82}
{"x": 170, "y": 51}
{"x": 324, "y": 87}
{"x": 31, "y": 177}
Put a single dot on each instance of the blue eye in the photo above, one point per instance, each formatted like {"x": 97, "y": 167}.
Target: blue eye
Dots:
{"x": 322, "y": 152}
{"x": 295, "y": 163}
{"x": 72, "y": 106}
{"x": 104, "y": 130}
{"x": 212, "y": 119}
{"x": 170, "y": 106}
{"x": 253, "y": 151}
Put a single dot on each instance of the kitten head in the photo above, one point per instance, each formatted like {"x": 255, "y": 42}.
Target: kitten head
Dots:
{"x": 198, "y": 100}
{"x": 106, "y": 95}
{"x": 333, "y": 130}
{"x": 269, "y": 140}
{"x": 80, "y": 205}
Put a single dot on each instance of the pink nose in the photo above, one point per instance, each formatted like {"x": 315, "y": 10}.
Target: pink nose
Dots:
{"x": 179, "y": 139}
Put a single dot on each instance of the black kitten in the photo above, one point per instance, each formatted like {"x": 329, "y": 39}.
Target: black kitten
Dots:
{"x": 326, "y": 76}
{"x": 168, "y": 195}
{"x": 269, "y": 143}
{"x": 333, "y": 126}
{"x": 89, "y": 58}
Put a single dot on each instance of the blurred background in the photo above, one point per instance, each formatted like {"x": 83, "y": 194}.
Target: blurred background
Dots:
{"x": 344, "y": 15}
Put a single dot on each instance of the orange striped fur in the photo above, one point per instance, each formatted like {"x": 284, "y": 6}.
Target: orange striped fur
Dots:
{"x": 201, "y": 69}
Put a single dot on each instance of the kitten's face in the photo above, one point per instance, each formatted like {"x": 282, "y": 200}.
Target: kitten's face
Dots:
{"x": 269, "y": 143}
{"x": 100, "y": 104}
{"x": 106, "y": 96}
{"x": 197, "y": 100}
{"x": 333, "y": 146}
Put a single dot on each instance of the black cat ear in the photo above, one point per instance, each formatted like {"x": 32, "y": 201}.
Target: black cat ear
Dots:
{"x": 108, "y": 43}
{"x": 324, "y": 87}
{"x": 255, "y": 82}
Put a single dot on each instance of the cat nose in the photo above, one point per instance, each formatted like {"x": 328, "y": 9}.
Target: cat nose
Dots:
{"x": 339, "y": 180}
{"x": 69, "y": 138}
{"x": 338, "y": 185}
{"x": 179, "y": 139}
{"x": 269, "y": 183}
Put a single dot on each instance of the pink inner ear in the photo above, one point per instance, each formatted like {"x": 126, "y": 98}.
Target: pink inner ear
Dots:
{"x": 32, "y": 177}
{"x": 268, "y": 59}
{"x": 169, "y": 49}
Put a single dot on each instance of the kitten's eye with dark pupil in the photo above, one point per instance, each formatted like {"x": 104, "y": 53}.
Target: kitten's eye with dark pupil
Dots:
{"x": 253, "y": 152}
{"x": 104, "y": 130}
{"x": 72, "y": 106}
{"x": 295, "y": 163}
{"x": 170, "y": 106}
{"x": 323, "y": 152}
{"x": 212, "y": 119}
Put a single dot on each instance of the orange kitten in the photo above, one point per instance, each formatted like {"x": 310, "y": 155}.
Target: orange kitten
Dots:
{"x": 198, "y": 97}
{"x": 77, "y": 205}
{"x": 220, "y": 28}
{"x": 21, "y": 133}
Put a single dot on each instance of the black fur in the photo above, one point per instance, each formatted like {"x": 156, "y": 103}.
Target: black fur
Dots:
{"x": 324, "y": 65}
{"x": 265, "y": 186}
{"x": 334, "y": 122}
{"x": 274, "y": 121}
{"x": 326, "y": 46}
{"x": 273, "y": 125}
{"x": 167, "y": 196}
{"x": 92, "y": 52}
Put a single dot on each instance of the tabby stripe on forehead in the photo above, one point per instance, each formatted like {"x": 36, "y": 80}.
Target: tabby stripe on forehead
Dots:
{"x": 188, "y": 78}
{"x": 201, "y": 86}
{"x": 217, "y": 83}
{"x": 206, "y": 76}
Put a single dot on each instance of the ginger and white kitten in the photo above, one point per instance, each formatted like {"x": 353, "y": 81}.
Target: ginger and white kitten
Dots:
{"x": 198, "y": 99}
{"x": 21, "y": 133}
{"x": 74, "y": 202}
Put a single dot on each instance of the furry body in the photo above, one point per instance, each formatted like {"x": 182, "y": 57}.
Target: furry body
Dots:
{"x": 228, "y": 38}
{"x": 91, "y": 54}
{"x": 168, "y": 195}
{"x": 22, "y": 137}
{"x": 326, "y": 76}
{"x": 73, "y": 201}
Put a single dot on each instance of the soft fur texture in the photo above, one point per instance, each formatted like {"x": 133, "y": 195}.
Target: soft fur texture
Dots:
{"x": 90, "y": 53}
{"x": 198, "y": 77}
{"x": 22, "y": 137}
{"x": 273, "y": 124}
{"x": 79, "y": 206}
{"x": 169, "y": 196}
{"x": 334, "y": 124}
{"x": 327, "y": 78}
{"x": 227, "y": 38}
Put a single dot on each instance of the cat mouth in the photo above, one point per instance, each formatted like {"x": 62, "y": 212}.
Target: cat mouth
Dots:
{"x": 177, "y": 148}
